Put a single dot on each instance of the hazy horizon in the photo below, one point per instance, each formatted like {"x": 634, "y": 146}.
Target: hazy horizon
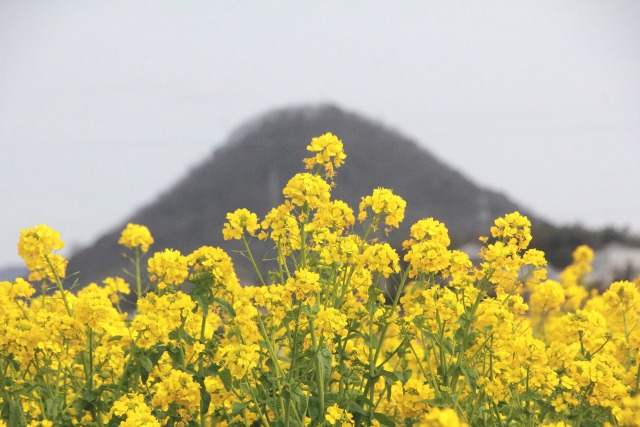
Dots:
{"x": 105, "y": 105}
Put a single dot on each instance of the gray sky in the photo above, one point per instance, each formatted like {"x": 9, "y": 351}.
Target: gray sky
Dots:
{"x": 103, "y": 105}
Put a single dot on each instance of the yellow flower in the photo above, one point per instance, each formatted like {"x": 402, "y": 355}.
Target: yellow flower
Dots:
{"x": 335, "y": 414}
{"x": 305, "y": 188}
{"x": 305, "y": 285}
{"x": 381, "y": 258}
{"x": 36, "y": 247}
{"x": 216, "y": 262}
{"x": 136, "y": 236}
{"x": 20, "y": 289}
{"x": 514, "y": 229}
{"x": 383, "y": 203}
{"x": 331, "y": 322}
{"x": 335, "y": 215}
{"x": 115, "y": 286}
{"x": 169, "y": 267}
{"x": 239, "y": 221}
{"x": 239, "y": 359}
{"x": 180, "y": 389}
{"x": 136, "y": 411}
{"x": 441, "y": 417}
{"x": 93, "y": 307}
{"x": 622, "y": 296}
{"x": 546, "y": 296}
{"x": 38, "y": 241}
{"x": 329, "y": 153}
{"x": 285, "y": 230}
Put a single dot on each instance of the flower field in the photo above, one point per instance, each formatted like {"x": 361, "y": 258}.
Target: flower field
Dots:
{"x": 344, "y": 330}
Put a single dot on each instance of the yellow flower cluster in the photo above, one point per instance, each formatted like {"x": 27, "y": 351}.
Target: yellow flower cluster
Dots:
{"x": 169, "y": 267}
{"x": 36, "y": 247}
{"x": 383, "y": 203}
{"x": 329, "y": 154}
{"x": 136, "y": 236}
{"x": 305, "y": 189}
{"x": 239, "y": 221}
{"x": 428, "y": 247}
{"x": 339, "y": 333}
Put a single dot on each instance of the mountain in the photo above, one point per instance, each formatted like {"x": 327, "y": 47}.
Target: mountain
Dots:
{"x": 251, "y": 169}
{"x": 11, "y": 272}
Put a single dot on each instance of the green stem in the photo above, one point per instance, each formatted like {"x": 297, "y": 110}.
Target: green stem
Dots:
{"x": 203, "y": 325}
{"x": 138, "y": 278}
{"x": 59, "y": 285}
{"x": 252, "y": 260}
{"x": 470, "y": 315}
{"x": 318, "y": 367}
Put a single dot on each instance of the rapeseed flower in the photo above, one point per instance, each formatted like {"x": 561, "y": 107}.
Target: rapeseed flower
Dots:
{"x": 238, "y": 222}
{"x": 136, "y": 236}
{"x": 168, "y": 267}
{"x": 329, "y": 154}
{"x": 383, "y": 203}
{"x": 305, "y": 189}
{"x": 37, "y": 246}
{"x": 338, "y": 416}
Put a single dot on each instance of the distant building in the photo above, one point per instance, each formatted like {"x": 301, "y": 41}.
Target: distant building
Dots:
{"x": 615, "y": 262}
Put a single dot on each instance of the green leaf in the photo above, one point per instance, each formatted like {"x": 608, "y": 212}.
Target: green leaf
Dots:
{"x": 383, "y": 419}
{"x": 225, "y": 377}
{"x": 206, "y": 400}
{"x": 226, "y": 306}
{"x": 300, "y": 401}
{"x": 202, "y": 302}
{"x": 324, "y": 357}
{"x": 354, "y": 407}
{"x": 531, "y": 395}
{"x": 145, "y": 363}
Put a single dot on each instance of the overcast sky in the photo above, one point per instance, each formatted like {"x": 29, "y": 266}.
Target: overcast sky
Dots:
{"x": 105, "y": 104}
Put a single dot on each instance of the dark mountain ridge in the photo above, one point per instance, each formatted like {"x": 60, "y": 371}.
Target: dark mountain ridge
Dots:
{"x": 259, "y": 159}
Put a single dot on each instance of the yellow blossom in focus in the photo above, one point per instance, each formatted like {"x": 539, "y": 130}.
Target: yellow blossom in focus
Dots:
{"x": 513, "y": 228}
{"x": 239, "y": 359}
{"x": 336, "y": 215}
{"x": 36, "y": 242}
{"x": 383, "y": 203}
{"x": 329, "y": 153}
{"x": 381, "y": 258}
{"x": 307, "y": 189}
{"x": 36, "y": 247}
{"x": 216, "y": 262}
{"x": 285, "y": 230}
{"x": 136, "y": 236}
{"x": 238, "y": 222}
{"x": 331, "y": 322}
{"x": 168, "y": 267}
{"x": 177, "y": 389}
